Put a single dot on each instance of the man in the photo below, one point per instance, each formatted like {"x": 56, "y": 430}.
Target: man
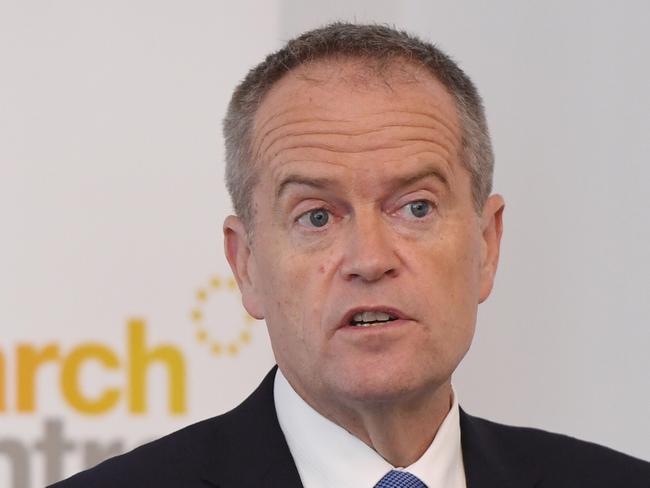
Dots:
{"x": 360, "y": 169}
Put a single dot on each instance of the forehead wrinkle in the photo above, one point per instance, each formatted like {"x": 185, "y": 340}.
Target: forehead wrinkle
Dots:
{"x": 260, "y": 125}
{"x": 319, "y": 143}
{"x": 286, "y": 146}
{"x": 334, "y": 149}
{"x": 291, "y": 128}
{"x": 347, "y": 135}
{"x": 452, "y": 129}
{"x": 259, "y": 128}
{"x": 421, "y": 162}
{"x": 448, "y": 140}
{"x": 264, "y": 145}
{"x": 447, "y": 144}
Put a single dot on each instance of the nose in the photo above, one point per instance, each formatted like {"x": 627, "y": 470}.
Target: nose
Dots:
{"x": 370, "y": 253}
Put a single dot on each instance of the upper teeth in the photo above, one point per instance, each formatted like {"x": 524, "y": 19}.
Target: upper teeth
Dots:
{"x": 371, "y": 317}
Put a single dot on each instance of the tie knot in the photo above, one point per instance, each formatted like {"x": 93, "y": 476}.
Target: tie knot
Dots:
{"x": 400, "y": 479}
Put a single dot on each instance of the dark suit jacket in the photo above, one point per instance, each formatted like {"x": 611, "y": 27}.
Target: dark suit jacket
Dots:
{"x": 246, "y": 448}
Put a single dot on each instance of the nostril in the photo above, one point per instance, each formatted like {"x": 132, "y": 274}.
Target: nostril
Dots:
{"x": 392, "y": 272}
{"x": 369, "y": 270}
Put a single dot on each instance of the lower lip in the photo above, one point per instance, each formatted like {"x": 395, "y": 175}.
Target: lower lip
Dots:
{"x": 377, "y": 327}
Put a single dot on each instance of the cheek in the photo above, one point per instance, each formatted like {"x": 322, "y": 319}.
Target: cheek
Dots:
{"x": 293, "y": 295}
{"x": 450, "y": 278}
{"x": 449, "y": 269}
{"x": 463, "y": 257}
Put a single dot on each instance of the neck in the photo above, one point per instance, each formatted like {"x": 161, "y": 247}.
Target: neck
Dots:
{"x": 400, "y": 431}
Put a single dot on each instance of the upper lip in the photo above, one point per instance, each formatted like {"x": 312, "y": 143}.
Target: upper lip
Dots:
{"x": 392, "y": 311}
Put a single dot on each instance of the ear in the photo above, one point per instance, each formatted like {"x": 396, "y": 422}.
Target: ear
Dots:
{"x": 491, "y": 230}
{"x": 239, "y": 254}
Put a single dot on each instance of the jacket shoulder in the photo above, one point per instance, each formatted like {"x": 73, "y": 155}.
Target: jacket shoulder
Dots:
{"x": 172, "y": 460}
{"x": 561, "y": 460}
{"x": 244, "y": 447}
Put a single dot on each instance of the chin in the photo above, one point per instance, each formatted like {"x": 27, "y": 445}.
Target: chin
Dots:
{"x": 386, "y": 384}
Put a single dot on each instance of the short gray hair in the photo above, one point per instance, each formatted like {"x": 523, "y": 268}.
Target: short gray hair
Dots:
{"x": 372, "y": 42}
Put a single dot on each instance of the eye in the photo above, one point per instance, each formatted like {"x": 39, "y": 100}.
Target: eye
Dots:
{"x": 418, "y": 209}
{"x": 317, "y": 217}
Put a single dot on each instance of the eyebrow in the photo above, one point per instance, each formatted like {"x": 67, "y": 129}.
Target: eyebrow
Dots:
{"x": 296, "y": 179}
{"x": 428, "y": 172}
{"x": 319, "y": 182}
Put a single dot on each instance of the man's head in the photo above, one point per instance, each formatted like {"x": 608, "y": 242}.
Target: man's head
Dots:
{"x": 364, "y": 209}
{"x": 379, "y": 46}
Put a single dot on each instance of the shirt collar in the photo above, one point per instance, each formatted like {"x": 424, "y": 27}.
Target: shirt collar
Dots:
{"x": 327, "y": 455}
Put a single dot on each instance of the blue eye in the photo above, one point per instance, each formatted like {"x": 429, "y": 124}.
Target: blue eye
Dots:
{"x": 318, "y": 217}
{"x": 418, "y": 208}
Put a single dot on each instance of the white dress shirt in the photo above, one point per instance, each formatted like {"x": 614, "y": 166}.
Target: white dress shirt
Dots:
{"x": 327, "y": 455}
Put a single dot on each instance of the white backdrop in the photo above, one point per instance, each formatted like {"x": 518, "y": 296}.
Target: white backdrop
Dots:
{"x": 111, "y": 203}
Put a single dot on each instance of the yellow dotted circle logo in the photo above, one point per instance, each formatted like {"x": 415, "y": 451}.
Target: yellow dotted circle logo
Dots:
{"x": 218, "y": 347}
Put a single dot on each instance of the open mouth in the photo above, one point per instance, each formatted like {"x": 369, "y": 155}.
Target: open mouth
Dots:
{"x": 369, "y": 319}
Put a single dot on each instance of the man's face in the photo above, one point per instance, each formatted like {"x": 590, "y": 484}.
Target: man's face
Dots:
{"x": 368, "y": 259}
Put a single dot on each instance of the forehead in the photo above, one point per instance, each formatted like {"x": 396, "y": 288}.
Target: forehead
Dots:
{"x": 354, "y": 111}
{"x": 329, "y": 86}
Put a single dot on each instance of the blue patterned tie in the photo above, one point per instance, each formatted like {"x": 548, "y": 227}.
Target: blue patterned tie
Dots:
{"x": 400, "y": 479}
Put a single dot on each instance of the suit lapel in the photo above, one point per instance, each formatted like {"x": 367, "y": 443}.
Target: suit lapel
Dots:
{"x": 489, "y": 461}
{"x": 249, "y": 448}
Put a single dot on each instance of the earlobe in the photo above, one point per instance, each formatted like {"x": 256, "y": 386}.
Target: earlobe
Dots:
{"x": 238, "y": 251}
{"x": 492, "y": 230}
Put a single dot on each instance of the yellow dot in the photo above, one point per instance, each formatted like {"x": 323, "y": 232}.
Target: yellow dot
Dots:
{"x": 245, "y": 336}
{"x": 197, "y": 315}
{"x": 233, "y": 349}
{"x": 248, "y": 319}
{"x": 201, "y": 295}
{"x": 215, "y": 282}
{"x": 202, "y": 335}
{"x": 232, "y": 284}
{"x": 216, "y": 348}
